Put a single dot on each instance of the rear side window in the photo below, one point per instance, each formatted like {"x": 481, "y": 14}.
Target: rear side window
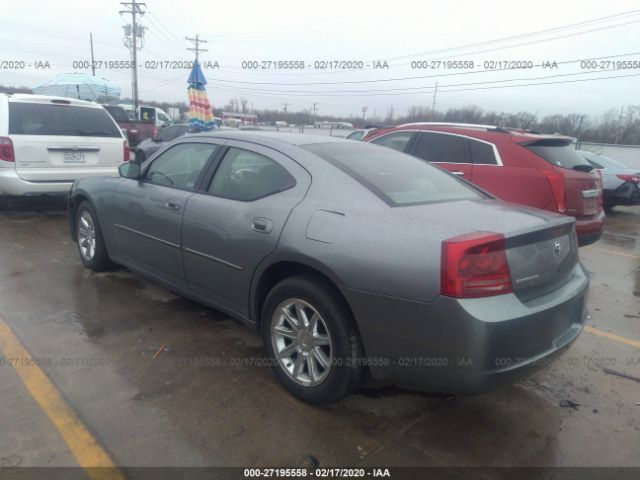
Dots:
{"x": 357, "y": 135}
{"x": 398, "y": 140}
{"x": 482, "y": 153}
{"x": 442, "y": 148}
{"x": 396, "y": 178}
{"x": 43, "y": 119}
{"x": 560, "y": 154}
{"x": 247, "y": 176}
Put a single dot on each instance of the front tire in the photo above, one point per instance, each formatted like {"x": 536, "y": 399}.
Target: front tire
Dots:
{"x": 312, "y": 340}
{"x": 91, "y": 246}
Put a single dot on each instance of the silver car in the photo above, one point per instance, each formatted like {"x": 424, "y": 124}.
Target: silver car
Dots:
{"x": 620, "y": 183}
{"x": 351, "y": 259}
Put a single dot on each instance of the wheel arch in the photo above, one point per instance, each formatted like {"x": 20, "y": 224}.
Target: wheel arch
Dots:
{"x": 74, "y": 202}
{"x": 278, "y": 268}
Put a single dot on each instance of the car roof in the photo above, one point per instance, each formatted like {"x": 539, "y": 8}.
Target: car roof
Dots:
{"x": 272, "y": 139}
{"x": 519, "y": 135}
{"x": 46, "y": 99}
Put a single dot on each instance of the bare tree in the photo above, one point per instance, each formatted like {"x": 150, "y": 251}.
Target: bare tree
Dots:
{"x": 244, "y": 105}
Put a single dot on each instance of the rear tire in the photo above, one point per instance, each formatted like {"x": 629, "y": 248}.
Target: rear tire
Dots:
{"x": 319, "y": 360}
{"x": 91, "y": 246}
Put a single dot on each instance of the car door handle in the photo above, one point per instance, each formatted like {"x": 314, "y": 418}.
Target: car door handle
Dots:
{"x": 460, "y": 174}
{"x": 173, "y": 204}
{"x": 262, "y": 225}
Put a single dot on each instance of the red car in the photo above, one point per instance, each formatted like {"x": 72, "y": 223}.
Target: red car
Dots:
{"x": 543, "y": 171}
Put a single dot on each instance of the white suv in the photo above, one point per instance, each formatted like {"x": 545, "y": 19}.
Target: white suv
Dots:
{"x": 48, "y": 142}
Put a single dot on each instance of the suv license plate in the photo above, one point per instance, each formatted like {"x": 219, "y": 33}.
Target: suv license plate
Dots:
{"x": 73, "y": 157}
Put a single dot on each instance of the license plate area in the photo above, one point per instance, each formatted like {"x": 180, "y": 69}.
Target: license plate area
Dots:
{"x": 73, "y": 157}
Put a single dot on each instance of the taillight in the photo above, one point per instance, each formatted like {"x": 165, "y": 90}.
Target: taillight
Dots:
{"x": 154, "y": 130}
{"x": 6, "y": 150}
{"x": 629, "y": 178}
{"x": 556, "y": 182}
{"x": 126, "y": 154}
{"x": 474, "y": 265}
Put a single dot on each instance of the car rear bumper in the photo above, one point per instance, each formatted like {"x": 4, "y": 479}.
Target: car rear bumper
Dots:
{"x": 627, "y": 194}
{"x": 467, "y": 346}
{"x": 590, "y": 229}
{"x": 12, "y": 184}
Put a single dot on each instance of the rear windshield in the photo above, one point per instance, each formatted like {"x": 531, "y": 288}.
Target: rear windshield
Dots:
{"x": 43, "y": 119}
{"x": 395, "y": 177}
{"x": 558, "y": 154}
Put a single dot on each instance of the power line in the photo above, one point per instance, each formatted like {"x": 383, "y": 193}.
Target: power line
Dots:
{"x": 421, "y": 88}
{"x": 225, "y": 87}
{"x": 417, "y": 77}
{"x": 522, "y": 35}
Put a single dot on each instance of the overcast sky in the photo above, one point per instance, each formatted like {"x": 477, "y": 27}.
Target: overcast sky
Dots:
{"x": 398, "y": 32}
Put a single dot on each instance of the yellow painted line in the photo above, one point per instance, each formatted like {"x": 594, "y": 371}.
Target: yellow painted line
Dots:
{"x": 613, "y": 252}
{"x": 84, "y": 447}
{"x": 611, "y": 336}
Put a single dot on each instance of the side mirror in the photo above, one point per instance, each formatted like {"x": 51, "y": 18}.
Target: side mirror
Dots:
{"x": 129, "y": 170}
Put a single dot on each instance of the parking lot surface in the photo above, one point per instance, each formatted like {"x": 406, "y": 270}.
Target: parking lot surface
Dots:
{"x": 157, "y": 380}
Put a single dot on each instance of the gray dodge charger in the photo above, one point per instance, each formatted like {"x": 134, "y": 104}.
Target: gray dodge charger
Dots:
{"x": 351, "y": 259}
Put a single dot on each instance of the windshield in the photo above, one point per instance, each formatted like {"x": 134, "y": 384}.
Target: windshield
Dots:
{"x": 396, "y": 178}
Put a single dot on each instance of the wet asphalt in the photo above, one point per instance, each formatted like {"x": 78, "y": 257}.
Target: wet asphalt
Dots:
{"x": 161, "y": 381}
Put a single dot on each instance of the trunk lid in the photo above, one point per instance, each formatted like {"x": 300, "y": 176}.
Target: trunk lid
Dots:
{"x": 583, "y": 192}
{"x": 541, "y": 247}
{"x": 541, "y": 260}
{"x": 582, "y": 183}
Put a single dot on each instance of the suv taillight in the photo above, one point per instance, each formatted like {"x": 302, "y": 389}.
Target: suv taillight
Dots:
{"x": 556, "y": 182}
{"x": 6, "y": 150}
{"x": 474, "y": 265}
{"x": 126, "y": 154}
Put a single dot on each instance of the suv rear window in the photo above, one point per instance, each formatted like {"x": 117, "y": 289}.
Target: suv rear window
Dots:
{"x": 43, "y": 119}
{"x": 558, "y": 153}
{"x": 397, "y": 178}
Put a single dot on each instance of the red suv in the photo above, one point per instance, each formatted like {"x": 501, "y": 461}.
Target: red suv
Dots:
{"x": 518, "y": 166}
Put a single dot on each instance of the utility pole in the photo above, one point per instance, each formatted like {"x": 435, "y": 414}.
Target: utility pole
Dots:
{"x": 196, "y": 42}
{"x": 285, "y": 105}
{"x": 132, "y": 33}
{"x": 578, "y": 133}
{"x": 93, "y": 63}
{"x": 315, "y": 113}
{"x": 433, "y": 103}
{"x": 615, "y": 140}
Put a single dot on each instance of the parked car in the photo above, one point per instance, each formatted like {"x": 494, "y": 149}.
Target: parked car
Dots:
{"x": 136, "y": 130}
{"x": 542, "y": 171}
{"x": 348, "y": 257}
{"x": 48, "y": 142}
{"x": 152, "y": 145}
{"x": 621, "y": 184}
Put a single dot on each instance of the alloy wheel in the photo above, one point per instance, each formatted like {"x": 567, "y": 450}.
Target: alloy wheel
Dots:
{"x": 301, "y": 342}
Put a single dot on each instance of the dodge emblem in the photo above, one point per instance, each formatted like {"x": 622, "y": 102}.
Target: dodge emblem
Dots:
{"x": 557, "y": 247}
